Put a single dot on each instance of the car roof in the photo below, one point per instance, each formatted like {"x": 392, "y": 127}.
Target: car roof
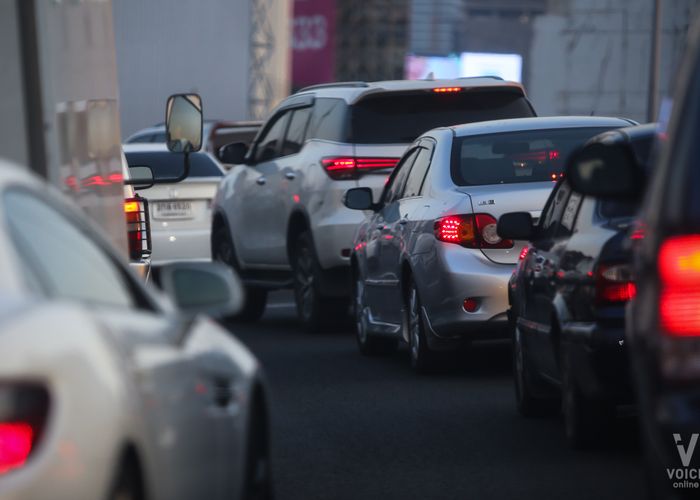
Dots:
{"x": 537, "y": 123}
{"x": 352, "y": 92}
{"x": 155, "y": 148}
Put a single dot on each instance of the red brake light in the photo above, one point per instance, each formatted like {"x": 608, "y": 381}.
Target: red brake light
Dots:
{"x": 470, "y": 231}
{"x": 16, "y": 440}
{"x": 679, "y": 273}
{"x": 137, "y": 227}
{"x": 446, "y": 90}
{"x": 614, "y": 284}
{"x": 348, "y": 167}
{"x": 523, "y": 252}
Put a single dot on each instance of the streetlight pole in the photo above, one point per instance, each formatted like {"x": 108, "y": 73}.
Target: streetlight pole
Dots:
{"x": 655, "y": 63}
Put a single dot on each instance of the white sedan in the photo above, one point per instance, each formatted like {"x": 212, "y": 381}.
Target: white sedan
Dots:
{"x": 106, "y": 391}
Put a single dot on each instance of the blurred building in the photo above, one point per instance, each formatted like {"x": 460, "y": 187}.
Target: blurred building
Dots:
{"x": 593, "y": 56}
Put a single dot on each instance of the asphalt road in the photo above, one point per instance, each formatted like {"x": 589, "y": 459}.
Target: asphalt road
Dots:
{"x": 349, "y": 427}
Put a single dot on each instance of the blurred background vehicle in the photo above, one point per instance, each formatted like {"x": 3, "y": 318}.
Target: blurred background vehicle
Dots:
{"x": 180, "y": 211}
{"x": 568, "y": 297}
{"x": 216, "y": 133}
{"x": 428, "y": 267}
{"x": 279, "y": 219}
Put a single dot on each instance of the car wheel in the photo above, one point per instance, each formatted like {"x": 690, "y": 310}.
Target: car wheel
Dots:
{"x": 368, "y": 344}
{"x": 527, "y": 402}
{"x": 127, "y": 484}
{"x": 314, "y": 310}
{"x": 586, "y": 420}
{"x": 258, "y": 478}
{"x": 422, "y": 358}
{"x": 255, "y": 298}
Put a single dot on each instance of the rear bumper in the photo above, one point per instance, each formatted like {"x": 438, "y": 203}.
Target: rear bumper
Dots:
{"x": 600, "y": 360}
{"x": 180, "y": 244}
{"x": 463, "y": 273}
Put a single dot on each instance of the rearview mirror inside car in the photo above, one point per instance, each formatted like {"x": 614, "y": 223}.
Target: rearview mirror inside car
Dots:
{"x": 515, "y": 226}
{"x": 183, "y": 123}
{"x": 201, "y": 287}
{"x": 606, "y": 171}
{"x": 141, "y": 177}
{"x": 233, "y": 153}
{"x": 359, "y": 199}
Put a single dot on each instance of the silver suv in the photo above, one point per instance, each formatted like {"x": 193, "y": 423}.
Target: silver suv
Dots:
{"x": 278, "y": 217}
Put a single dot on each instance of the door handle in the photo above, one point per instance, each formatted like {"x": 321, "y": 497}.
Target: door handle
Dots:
{"x": 380, "y": 227}
{"x": 260, "y": 180}
{"x": 290, "y": 175}
{"x": 403, "y": 221}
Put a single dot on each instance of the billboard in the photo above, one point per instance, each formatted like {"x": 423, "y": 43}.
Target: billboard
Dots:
{"x": 313, "y": 42}
{"x": 507, "y": 66}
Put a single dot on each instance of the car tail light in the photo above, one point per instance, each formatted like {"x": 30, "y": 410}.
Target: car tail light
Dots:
{"x": 349, "y": 167}
{"x": 470, "y": 231}
{"x": 23, "y": 413}
{"x": 614, "y": 284}
{"x": 138, "y": 227}
{"x": 679, "y": 274}
{"x": 447, "y": 90}
{"x": 523, "y": 252}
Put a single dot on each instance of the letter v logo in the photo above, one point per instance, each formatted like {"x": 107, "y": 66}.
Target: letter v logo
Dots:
{"x": 686, "y": 454}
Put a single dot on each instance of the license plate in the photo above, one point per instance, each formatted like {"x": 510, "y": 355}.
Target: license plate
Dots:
{"x": 173, "y": 210}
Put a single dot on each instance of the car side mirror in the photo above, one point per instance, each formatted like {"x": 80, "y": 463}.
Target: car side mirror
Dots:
{"x": 233, "y": 153}
{"x": 183, "y": 123}
{"x": 359, "y": 199}
{"x": 516, "y": 226}
{"x": 606, "y": 171}
{"x": 202, "y": 287}
{"x": 141, "y": 177}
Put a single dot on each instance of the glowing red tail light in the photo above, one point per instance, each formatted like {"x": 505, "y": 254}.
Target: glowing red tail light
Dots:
{"x": 523, "y": 252}
{"x": 16, "y": 439}
{"x": 470, "y": 231}
{"x": 614, "y": 284}
{"x": 349, "y": 167}
{"x": 137, "y": 227}
{"x": 447, "y": 90}
{"x": 679, "y": 274}
{"x": 22, "y": 421}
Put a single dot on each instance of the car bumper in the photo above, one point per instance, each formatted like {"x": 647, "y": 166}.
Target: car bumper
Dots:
{"x": 461, "y": 273}
{"x": 180, "y": 244}
{"x": 600, "y": 360}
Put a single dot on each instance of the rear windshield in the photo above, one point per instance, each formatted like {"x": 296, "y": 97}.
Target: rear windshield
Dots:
{"x": 513, "y": 157}
{"x": 388, "y": 119}
{"x": 614, "y": 209}
{"x": 166, "y": 165}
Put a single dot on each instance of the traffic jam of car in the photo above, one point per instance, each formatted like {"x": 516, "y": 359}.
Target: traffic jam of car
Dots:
{"x": 432, "y": 216}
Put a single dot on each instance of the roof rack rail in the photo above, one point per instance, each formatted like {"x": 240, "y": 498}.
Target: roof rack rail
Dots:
{"x": 492, "y": 77}
{"x": 333, "y": 85}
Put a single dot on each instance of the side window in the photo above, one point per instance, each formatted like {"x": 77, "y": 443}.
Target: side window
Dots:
{"x": 553, "y": 211}
{"x": 63, "y": 258}
{"x": 328, "y": 120}
{"x": 395, "y": 187}
{"x": 268, "y": 147}
{"x": 418, "y": 172}
{"x": 566, "y": 227}
{"x": 159, "y": 137}
{"x": 296, "y": 132}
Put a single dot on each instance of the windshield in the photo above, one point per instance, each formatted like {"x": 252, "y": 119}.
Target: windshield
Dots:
{"x": 391, "y": 118}
{"x": 513, "y": 157}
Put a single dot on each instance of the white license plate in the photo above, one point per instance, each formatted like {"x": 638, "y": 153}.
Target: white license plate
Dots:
{"x": 173, "y": 210}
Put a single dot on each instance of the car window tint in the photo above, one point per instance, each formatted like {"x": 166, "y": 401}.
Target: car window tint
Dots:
{"x": 328, "y": 120}
{"x": 418, "y": 172}
{"x": 66, "y": 260}
{"x": 268, "y": 147}
{"x": 554, "y": 210}
{"x": 167, "y": 165}
{"x": 296, "y": 131}
{"x": 394, "y": 188}
{"x": 140, "y": 139}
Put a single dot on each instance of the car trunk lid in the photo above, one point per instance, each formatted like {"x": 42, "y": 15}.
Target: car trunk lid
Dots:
{"x": 186, "y": 204}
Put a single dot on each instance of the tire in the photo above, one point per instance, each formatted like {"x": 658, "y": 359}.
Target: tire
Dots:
{"x": 258, "y": 474}
{"x": 368, "y": 345}
{"x": 527, "y": 402}
{"x": 313, "y": 309}
{"x": 255, "y": 298}
{"x": 586, "y": 420}
{"x": 127, "y": 483}
{"x": 423, "y": 360}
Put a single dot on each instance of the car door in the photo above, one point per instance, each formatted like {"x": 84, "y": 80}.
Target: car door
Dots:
{"x": 178, "y": 376}
{"x": 382, "y": 284}
{"x": 259, "y": 230}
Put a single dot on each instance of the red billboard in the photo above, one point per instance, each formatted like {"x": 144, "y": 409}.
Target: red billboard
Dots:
{"x": 313, "y": 42}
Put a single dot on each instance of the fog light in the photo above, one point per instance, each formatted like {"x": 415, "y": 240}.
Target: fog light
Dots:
{"x": 470, "y": 304}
